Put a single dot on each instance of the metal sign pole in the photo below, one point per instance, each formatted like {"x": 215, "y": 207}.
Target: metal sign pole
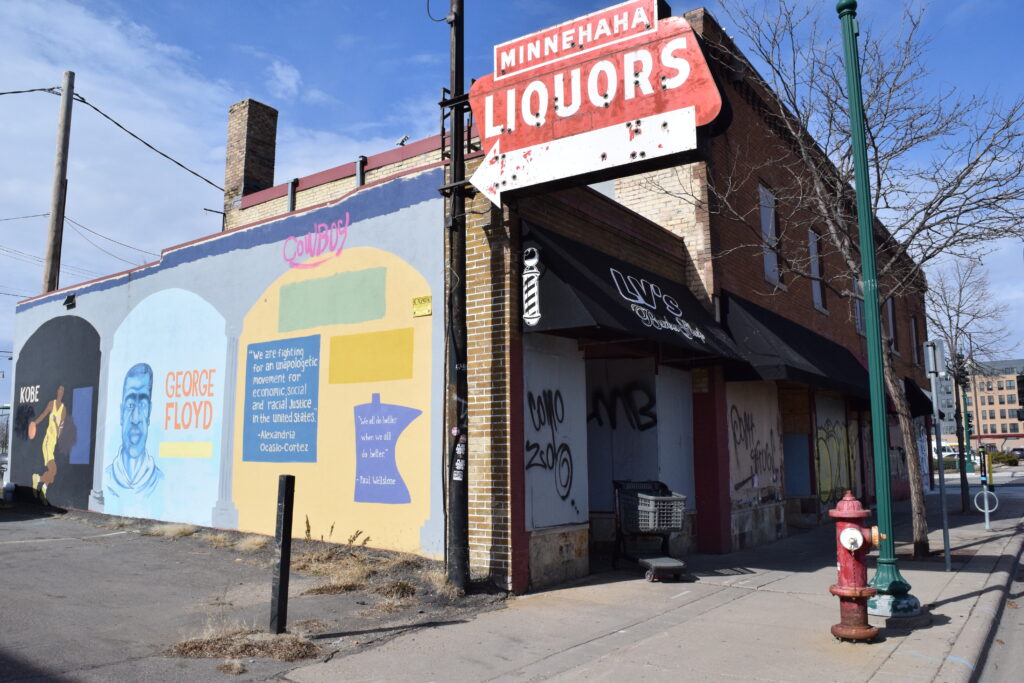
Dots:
{"x": 934, "y": 361}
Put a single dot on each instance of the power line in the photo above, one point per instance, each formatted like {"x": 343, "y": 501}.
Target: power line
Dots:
{"x": 109, "y": 239}
{"x": 432, "y": 17}
{"x": 52, "y": 91}
{"x": 84, "y": 101}
{"x": 25, "y": 257}
{"x": 110, "y": 254}
{"x": 18, "y": 218}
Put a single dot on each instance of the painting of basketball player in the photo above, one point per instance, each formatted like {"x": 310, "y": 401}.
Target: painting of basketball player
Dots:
{"x": 56, "y": 411}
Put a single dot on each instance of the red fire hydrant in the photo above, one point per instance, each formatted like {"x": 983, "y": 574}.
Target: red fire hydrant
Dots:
{"x": 853, "y": 544}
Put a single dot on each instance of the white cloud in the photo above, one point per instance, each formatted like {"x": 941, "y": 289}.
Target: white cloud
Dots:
{"x": 317, "y": 96}
{"x": 283, "y": 80}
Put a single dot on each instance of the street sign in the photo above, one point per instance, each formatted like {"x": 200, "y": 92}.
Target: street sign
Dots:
{"x": 615, "y": 87}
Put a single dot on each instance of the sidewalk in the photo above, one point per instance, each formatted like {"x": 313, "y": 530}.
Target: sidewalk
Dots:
{"x": 762, "y": 614}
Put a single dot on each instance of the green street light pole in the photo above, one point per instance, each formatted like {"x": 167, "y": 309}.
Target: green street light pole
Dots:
{"x": 893, "y": 598}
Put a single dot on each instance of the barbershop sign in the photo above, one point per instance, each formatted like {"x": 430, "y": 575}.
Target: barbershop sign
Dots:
{"x": 615, "y": 87}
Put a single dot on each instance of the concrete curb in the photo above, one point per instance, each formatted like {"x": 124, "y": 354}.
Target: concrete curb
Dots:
{"x": 966, "y": 658}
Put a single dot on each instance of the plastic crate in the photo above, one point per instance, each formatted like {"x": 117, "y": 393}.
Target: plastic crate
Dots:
{"x": 648, "y": 513}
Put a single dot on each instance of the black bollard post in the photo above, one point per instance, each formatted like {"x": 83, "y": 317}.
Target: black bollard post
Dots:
{"x": 282, "y": 565}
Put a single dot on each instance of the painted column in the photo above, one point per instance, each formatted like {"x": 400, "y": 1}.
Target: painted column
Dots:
{"x": 96, "y": 502}
{"x": 224, "y": 513}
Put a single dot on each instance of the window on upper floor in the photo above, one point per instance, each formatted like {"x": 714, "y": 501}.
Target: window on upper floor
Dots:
{"x": 1011, "y": 384}
{"x": 999, "y": 385}
{"x": 914, "y": 342}
{"x": 769, "y": 234}
{"x": 1011, "y": 399}
{"x": 890, "y": 324}
{"x": 858, "y": 307}
{"x": 988, "y": 386}
{"x": 991, "y": 400}
{"x": 1002, "y": 428}
{"x": 817, "y": 268}
{"x": 1002, "y": 413}
{"x": 968, "y": 401}
{"x": 1002, "y": 400}
{"x": 1014, "y": 427}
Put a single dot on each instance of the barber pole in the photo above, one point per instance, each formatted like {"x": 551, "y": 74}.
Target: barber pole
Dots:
{"x": 611, "y": 88}
{"x": 531, "y": 288}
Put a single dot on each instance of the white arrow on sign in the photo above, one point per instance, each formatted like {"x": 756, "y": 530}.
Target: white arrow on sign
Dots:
{"x": 593, "y": 150}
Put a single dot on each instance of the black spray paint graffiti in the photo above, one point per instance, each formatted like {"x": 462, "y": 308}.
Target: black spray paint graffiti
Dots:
{"x": 547, "y": 414}
{"x": 763, "y": 458}
{"x": 637, "y": 405}
{"x": 834, "y": 465}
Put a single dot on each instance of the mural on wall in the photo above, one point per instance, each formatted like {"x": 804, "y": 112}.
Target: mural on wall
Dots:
{"x": 54, "y": 411}
{"x": 755, "y": 443}
{"x": 832, "y": 449}
{"x": 336, "y": 336}
{"x": 555, "y": 437}
{"x": 164, "y": 408}
{"x": 899, "y": 474}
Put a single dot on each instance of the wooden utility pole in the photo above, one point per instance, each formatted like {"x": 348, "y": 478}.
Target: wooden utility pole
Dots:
{"x": 51, "y": 270}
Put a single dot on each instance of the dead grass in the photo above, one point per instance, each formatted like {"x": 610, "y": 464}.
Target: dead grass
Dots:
{"x": 438, "y": 580}
{"x": 116, "y": 523}
{"x": 250, "y": 544}
{"x": 332, "y": 588}
{"x": 397, "y": 590}
{"x": 309, "y": 626}
{"x": 171, "y": 530}
{"x": 388, "y": 606}
{"x": 217, "y": 540}
{"x": 243, "y": 643}
{"x": 231, "y": 666}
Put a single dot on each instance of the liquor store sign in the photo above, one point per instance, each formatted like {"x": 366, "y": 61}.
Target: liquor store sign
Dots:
{"x": 604, "y": 90}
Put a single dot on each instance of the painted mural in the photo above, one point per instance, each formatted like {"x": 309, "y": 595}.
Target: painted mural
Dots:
{"x": 54, "y": 412}
{"x": 181, "y": 390}
{"x": 755, "y": 443}
{"x": 834, "y": 459}
{"x": 164, "y": 410}
{"x": 336, "y": 376}
{"x": 555, "y": 438}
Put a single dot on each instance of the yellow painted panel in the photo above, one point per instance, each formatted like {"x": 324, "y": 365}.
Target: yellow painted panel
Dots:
{"x": 186, "y": 449}
{"x": 371, "y": 356}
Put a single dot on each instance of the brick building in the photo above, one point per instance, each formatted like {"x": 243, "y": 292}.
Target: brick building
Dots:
{"x": 660, "y": 343}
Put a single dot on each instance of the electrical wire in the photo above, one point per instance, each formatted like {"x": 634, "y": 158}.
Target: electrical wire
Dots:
{"x": 25, "y": 257}
{"x": 108, "y": 253}
{"x": 109, "y": 239}
{"x": 18, "y": 218}
{"x": 53, "y": 91}
{"x": 432, "y": 17}
{"x": 92, "y": 106}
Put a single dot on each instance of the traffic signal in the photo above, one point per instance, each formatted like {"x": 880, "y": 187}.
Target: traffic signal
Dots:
{"x": 969, "y": 424}
{"x": 1020, "y": 414}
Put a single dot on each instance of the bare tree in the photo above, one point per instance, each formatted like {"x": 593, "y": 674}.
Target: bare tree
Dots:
{"x": 962, "y": 313}
{"x": 947, "y": 168}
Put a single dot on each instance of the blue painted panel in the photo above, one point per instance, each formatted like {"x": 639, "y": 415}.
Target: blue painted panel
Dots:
{"x": 282, "y": 385}
{"x": 797, "y": 466}
{"x": 81, "y": 416}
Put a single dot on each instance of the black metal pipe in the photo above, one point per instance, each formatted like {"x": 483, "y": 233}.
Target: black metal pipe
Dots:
{"x": 360, "y": 171}
{"x": 282, "y": 565}
{"x": 293, "y": 186}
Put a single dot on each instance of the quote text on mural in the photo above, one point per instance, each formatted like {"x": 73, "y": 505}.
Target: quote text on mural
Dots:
{"x": 282, "y": 380}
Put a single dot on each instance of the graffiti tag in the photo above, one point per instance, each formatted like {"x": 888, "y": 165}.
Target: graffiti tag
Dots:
{"x": 321, "y": 244}
{"x": 637, "y": 405}
{"x": 762, "y": 457}
{"x": 547, "y": 413}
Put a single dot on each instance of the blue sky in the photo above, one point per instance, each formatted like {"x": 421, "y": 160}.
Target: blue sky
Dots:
{"x": 348, "y": 78}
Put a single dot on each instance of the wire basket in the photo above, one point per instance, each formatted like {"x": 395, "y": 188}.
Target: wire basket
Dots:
{"x": 641, "y": 512}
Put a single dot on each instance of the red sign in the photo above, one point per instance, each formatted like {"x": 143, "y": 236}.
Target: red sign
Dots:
{"x": 616, "y": 66}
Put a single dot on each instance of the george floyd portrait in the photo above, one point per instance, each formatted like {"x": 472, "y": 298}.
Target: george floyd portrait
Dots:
{"x": 134, "y": 473}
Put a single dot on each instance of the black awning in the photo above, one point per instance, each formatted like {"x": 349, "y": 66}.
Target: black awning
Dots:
{"x": 570, "y": 286}
{"x": 780, "y": 349}
{"x": 919, "y": 402}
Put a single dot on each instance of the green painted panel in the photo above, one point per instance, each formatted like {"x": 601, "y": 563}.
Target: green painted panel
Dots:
{"x": 342, "y": 299}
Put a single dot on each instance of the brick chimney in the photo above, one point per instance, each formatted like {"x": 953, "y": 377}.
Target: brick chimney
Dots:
{"x": 251, "y": 144}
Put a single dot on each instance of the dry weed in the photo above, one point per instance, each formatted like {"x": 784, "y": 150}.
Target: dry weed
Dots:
{"x": 171, "y": 530}
{"x": 231, "y": 666}
{"x": 388, "y": 606}
{"x": 116, "y": 523}
{"x": 309, "y": 626}
{"x": 400, "y": 564}
{"x": 217, "y": 540}
{"x": 397, "y": 590}
{"x": 245, "y": 643}
{"x": 332, "y": 588}
{"x": 251, "y": 544}
{"x": 438, "y": 580}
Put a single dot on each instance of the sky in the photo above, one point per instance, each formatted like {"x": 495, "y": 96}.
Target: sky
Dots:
{"x": 348, "y": 78}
